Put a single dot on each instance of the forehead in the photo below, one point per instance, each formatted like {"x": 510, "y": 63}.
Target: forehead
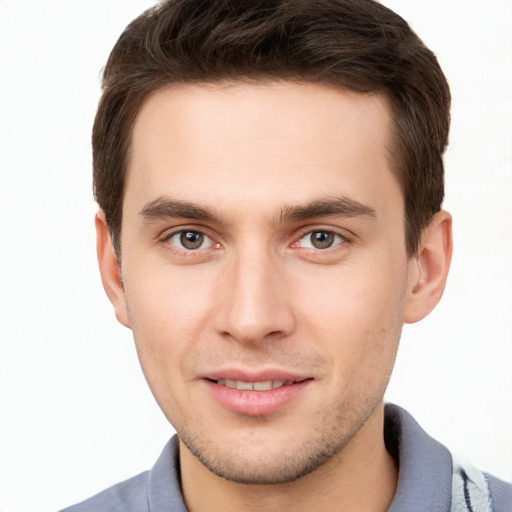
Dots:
{"x": 285, "y": 142}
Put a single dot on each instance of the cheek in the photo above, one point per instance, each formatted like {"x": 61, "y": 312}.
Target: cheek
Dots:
{"x": 353, "y": 296}
{"x": 168, "y": 312}
{"x": 166, "y": 299}
{"x": 357, "y": 315}
{"x": 163, "y": 324}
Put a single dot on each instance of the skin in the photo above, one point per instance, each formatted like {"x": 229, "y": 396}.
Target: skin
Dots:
{"x": 256, "y": 169}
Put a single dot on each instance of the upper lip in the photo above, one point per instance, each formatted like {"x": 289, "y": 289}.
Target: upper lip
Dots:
{"x": 255, "y": 376}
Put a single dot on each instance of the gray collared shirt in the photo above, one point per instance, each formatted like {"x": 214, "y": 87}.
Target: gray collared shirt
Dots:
{"x": 424, "y": 482}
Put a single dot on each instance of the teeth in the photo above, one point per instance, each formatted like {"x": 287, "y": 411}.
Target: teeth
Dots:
{"x": 244, "y": 385}
{"x": 254, "y": 386}
{"x": 262, "y": 386}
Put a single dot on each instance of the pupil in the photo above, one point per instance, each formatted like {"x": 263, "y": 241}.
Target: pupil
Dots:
{"x": 191, "y": 239}
{"x": 322, "y": 239}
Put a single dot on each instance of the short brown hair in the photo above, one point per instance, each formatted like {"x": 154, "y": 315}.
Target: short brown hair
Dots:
{"x": 359, "y": 45}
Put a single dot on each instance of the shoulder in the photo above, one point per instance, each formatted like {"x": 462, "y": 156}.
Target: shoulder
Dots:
{"x": 130, "y": 495}
{"x": 157, "y": 490}
{"x": 473, "y": 490}
{"x": 500, "y": 493}
{"x": 432, "y": 478}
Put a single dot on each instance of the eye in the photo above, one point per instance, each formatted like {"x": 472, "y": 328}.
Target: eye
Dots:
{"x": 190, "y": 240}
{"x": 321, "y": 239}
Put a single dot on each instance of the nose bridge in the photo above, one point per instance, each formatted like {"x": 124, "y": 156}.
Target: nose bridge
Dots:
{"x": 255, "y": 302}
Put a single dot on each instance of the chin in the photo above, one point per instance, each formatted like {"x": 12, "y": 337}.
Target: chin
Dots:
{"x": 251, "y": 459}
{"x": 265, "y": 469}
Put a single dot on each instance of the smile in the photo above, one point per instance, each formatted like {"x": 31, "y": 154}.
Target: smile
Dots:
{"x": 256, "y": 397}
{"x": 254, "y": 386}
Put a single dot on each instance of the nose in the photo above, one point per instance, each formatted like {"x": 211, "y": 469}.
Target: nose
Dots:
{"x": 254, "y": 302}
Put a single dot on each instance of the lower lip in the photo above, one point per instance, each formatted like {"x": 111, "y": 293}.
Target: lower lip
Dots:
{"x": 256, "y": 403}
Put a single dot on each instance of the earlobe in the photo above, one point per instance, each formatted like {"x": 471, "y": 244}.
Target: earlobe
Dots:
{"x": 428, "y": 270}
{"x": 110, "y": 269}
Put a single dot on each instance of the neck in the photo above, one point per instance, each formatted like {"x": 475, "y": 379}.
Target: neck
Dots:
{"x": 363, "y": 476}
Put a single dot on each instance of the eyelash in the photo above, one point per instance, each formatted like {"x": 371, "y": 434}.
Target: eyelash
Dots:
{"x": 344, "y": 239}
{"x": 173, "y": 247}
{"x": 331, "y": 239}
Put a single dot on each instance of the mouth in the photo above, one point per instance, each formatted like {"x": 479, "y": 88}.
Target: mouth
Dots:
{"x": 265, "y": 385}
{"x": 256, "y": 397}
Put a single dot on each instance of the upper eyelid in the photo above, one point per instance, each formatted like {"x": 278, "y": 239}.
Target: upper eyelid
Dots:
{"x": 207, "y": 241}
{"x": 171, "y": 231}
{"x": 299, "y": 233}
{"x": 165, "y": 239}
{"x": 344, "y": 239}
{"x": 334, "y": 232}
{"x": 343, "y": 232}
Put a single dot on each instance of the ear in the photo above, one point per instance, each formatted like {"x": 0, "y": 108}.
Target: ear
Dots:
{"x": 110, "y": 269}
{"x": 428, "y": 270}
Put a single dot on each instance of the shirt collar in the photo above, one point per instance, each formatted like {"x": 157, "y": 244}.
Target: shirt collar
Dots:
{"x": 424, "y": 480}
{"x": 425, "y": 466}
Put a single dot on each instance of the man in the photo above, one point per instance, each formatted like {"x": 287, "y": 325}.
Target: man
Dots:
{"x": 270, "y": 181}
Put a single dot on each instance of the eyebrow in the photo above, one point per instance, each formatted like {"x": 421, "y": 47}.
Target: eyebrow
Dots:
{"x": 167, "y": 208}
{"x": 342, "y": 206}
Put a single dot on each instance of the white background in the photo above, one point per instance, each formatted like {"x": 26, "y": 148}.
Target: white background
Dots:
{"x": 76, "y": 414}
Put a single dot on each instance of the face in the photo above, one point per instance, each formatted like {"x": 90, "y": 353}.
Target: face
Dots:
{"x": 264, "y": 269}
